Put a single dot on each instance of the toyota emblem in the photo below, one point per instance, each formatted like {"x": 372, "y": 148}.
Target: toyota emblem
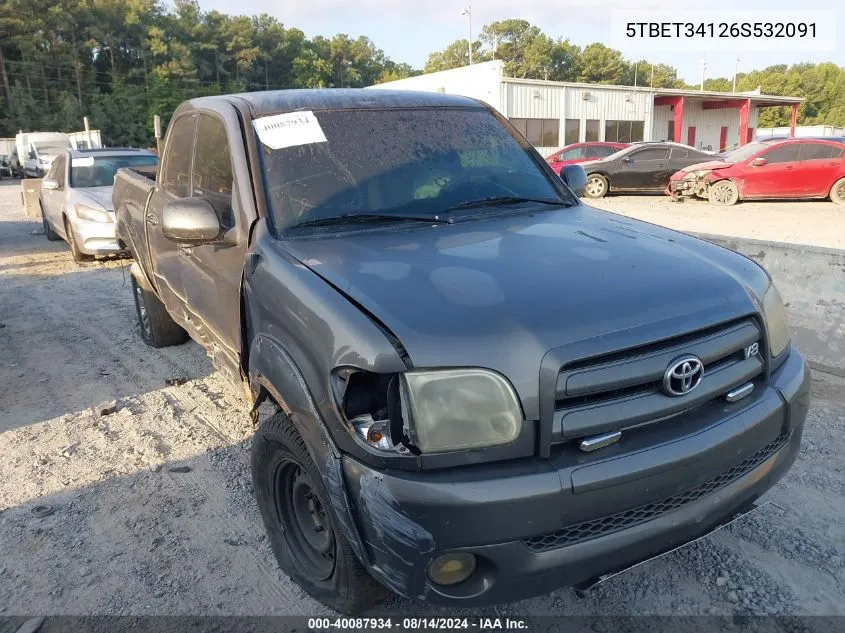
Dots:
{"x": 683, "y": 375}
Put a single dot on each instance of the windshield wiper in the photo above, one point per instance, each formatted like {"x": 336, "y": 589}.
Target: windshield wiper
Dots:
{"x": 501, "y": 200}
{"x": 346, "y": 218}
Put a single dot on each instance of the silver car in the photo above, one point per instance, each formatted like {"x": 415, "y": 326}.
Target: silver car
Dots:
{"x": 76, "y": 201}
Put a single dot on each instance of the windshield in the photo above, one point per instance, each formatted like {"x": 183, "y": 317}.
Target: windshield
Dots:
{"x": 99, "y": 171}
{"x": 421, "y": 161}
{"x": 743, "y": 153}
{"x": 51, "y": 149}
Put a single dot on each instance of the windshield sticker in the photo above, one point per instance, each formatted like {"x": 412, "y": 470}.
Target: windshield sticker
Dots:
{"x": 85, "y": 161}
{"x": 289, "y": 130}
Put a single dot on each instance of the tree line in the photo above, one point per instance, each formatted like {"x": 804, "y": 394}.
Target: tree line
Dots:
{"x": 122, "y": 61}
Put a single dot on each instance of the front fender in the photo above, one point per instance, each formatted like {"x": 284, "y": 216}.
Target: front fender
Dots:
{"x": 273, "y": 369}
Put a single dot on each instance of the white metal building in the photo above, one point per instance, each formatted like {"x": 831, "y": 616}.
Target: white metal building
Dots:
{"x": 801, "y": 131}
{"x": 552, "y": 114}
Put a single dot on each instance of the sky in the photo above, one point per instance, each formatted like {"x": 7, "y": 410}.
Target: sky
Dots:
{"x": 408, "y": 30}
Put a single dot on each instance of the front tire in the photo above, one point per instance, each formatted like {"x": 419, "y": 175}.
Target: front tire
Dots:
{"x": 158, "y": 329}
{"x": 837, "y": 191}
{"x": 723, "y": 193}
{"x": 49, "y": 233}
{"x": 77, "y": 255}
{"x": 597, "y": 186}
{"x": 300, "y": 522}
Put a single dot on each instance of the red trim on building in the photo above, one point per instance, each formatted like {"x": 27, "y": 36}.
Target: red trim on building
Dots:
{"x": 677, "y": 104}
{"x": 744, "y": 109}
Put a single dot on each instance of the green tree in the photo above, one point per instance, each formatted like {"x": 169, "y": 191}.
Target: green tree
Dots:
{"x": 602, "y": 65}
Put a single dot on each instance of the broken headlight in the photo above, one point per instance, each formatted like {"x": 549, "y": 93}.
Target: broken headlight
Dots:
{"x": 776, "y": 323}
{"x": 457, "y": 409}
{"x": 695, "y": 175}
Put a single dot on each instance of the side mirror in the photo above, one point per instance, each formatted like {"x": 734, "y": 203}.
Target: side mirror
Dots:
{"x": 627, "y": 159}
{"x": 574, "y": 176}
{"x": 759, "y": 162}
{"x": 50, "y": 183}
{"x": 190, "y": 220}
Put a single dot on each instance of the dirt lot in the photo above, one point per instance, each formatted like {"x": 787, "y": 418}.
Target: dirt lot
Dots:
{"x": 152, "y": 511}
{"x": 816, "y": 223}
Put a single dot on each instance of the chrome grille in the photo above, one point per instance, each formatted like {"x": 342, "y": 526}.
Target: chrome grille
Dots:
{"x": 624, "y": 389}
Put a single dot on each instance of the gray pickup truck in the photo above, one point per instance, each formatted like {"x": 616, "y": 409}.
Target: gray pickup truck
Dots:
{"x": 485, "y": 389}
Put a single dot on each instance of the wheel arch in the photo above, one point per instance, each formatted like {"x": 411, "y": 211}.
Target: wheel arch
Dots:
{"x": 274, "y": 375}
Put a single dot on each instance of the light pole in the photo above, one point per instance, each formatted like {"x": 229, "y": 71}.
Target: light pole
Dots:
{"x": 703, "y": 70}
{"x": 468, "y": 12}
{"x": 736, "y": 70}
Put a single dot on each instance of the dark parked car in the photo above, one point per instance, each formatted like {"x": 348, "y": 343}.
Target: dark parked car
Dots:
{"x": 485, "y": 389}
{"x": 582, "y": 152}
{"x": 794, "y": 168}
{"x": 643, "y": 167}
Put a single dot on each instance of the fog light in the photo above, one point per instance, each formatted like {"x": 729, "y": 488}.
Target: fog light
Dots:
{"x": 450, "y": 569}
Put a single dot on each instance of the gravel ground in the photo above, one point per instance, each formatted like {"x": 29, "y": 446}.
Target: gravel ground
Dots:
{"x": 149, "y": 508}
{"x": 814, "y": 222}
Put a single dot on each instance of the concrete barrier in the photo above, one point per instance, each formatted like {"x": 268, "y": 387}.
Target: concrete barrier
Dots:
{"x": 812, "y": 283}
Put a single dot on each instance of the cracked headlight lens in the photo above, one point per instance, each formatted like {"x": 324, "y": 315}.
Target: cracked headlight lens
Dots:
{"x": 458, "y": 409}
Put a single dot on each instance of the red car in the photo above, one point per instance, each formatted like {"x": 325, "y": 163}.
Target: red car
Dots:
{"x": 580, "y": 152}
{"x": 793, "y": 168}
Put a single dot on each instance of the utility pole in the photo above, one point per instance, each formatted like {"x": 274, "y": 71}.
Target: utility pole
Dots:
{"x": 636, "y": 67}
{"x": 736, "y": 70}
{"x": 468, "y": 12}
{"x": 703, "y": 71}
{"x": 651, "y": 84}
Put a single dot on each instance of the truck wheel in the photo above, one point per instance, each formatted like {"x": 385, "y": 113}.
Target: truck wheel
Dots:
{"x": 837, "y": 191}
{"x": 723, "y": 192}
{"x": 300, "y": 522}
{"x": 596, "y": 186}
{"x": 48, "y": 230}
{"x": 77, "y": 255}
{"x": 158, "y": 329}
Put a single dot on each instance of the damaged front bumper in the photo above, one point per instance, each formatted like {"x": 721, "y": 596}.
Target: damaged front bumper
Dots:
{"x": 688, "y": 187}
{"x": 513, "y": 515}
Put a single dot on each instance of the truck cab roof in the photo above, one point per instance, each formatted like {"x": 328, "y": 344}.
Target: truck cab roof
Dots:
{"x": 279, "y": 101}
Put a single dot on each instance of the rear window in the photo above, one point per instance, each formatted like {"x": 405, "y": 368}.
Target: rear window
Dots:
{"x": 399, "y": 161}
{"x": 99, "y": 171}
{"x": 820, "y": 151}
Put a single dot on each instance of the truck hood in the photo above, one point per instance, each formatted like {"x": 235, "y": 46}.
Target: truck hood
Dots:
{"x": 501, "y": 292}
{"x": 94, "y": 197}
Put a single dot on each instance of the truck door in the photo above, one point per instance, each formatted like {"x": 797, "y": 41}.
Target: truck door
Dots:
{"x": 212, "y": 272}
{"x": 174, "y": 182}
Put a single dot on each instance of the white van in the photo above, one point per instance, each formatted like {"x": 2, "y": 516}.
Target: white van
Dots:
{"x": 37, "y": 150}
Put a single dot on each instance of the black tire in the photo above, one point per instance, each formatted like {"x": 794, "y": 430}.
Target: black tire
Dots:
{"x": 77, "y": 255}
{"x": 303, "y": 534}
{"x": 49, "y": 233}
{"x": 596, "y": 187}
{"x": 158, "y": 329}
{"x": 723, "y": 192}
{"x": 837, "y": 191}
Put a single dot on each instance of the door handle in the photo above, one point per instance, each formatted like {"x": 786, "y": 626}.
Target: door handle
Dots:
{"x": 789, "y": 168}
{"x": 151, "y": 219}
{"x": 185, "y": 250}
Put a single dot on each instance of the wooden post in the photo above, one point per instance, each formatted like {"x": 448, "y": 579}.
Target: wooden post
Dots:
{"x": 157, "y": 132}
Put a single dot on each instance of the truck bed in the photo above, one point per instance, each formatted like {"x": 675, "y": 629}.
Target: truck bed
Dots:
{"x": 132, "y": 189}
